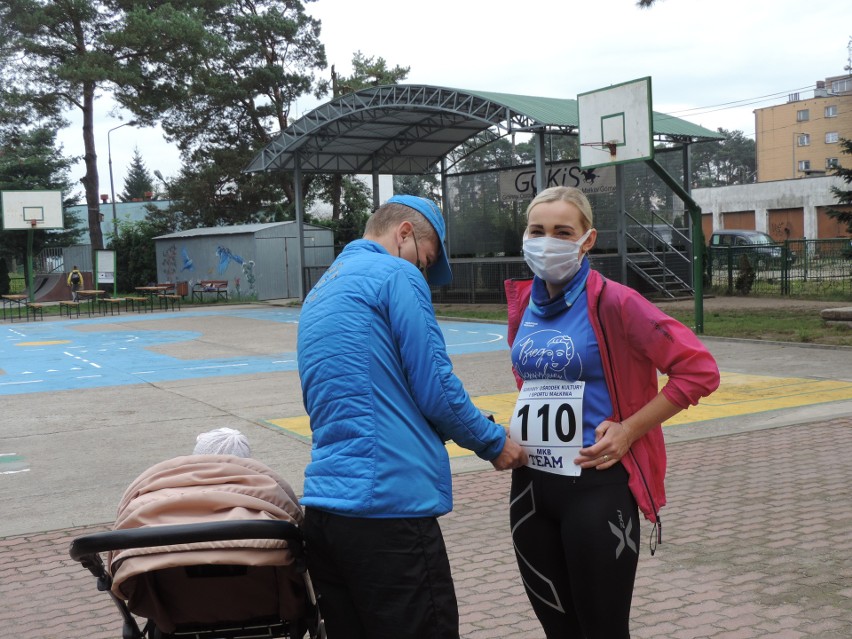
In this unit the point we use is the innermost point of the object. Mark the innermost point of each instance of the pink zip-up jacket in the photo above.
(636, 340)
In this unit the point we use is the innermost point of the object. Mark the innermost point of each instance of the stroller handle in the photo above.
(167, 535)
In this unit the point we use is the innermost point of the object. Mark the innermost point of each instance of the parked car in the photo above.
(760, 249)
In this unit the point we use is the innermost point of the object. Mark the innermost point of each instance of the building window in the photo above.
(804, 139)
(831, 111)
(831, 137)
(841, 86)
(831, 163)
(804, 165)
(803, 115)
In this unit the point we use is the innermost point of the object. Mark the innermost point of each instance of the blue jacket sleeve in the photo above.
(438, 393)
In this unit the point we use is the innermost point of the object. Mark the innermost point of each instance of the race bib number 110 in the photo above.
(548, 422)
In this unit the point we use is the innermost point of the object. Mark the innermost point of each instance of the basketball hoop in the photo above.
(617, 123)
(611, 146)
(33, 223)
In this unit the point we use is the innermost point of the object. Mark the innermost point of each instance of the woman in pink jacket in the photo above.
(586, 352)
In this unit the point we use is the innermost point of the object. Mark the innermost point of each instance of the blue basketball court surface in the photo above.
(127, 349)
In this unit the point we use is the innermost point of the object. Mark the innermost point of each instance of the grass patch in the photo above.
(466, 312)
(798, 326)
(789, 325)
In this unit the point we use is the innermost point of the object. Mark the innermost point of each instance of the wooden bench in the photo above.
(168, 300)
(37, 309)
(111, 303)
(133, 303)
(67, 307)
(837, 316)
(219, 288)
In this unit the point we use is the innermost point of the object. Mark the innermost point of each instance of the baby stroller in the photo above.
(206, 546)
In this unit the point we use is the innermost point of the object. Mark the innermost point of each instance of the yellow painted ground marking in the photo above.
(50, 343)
(299, 426)
(738, 394)
(741, 394)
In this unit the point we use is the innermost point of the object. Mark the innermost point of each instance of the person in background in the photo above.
(75, 282)
(592, 347)
(382, 398)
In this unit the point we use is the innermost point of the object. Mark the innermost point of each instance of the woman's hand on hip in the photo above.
(613, 440)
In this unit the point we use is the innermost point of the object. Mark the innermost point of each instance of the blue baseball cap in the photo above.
(439, 273)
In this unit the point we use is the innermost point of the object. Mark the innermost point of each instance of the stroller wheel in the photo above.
(152, 632)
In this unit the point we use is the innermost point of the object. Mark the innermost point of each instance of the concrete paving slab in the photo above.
(756, 539)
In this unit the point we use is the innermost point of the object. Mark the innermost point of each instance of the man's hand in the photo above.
(513, 455)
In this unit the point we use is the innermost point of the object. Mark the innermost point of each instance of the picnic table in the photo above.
(12, 300)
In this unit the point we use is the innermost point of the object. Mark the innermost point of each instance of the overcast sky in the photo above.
(711, 63)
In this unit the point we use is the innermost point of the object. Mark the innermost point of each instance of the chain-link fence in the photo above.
(486, 209)
(486, 221)
(804, 268)
(17, 283)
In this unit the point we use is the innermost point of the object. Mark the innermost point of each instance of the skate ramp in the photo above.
(53, 287)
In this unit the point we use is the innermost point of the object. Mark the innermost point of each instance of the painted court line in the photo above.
(12, 463)
(738, 394)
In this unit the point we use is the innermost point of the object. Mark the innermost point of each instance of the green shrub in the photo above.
(4, 277)
(745, 278)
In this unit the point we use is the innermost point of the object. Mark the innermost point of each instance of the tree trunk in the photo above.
(90, 180)
(336, 187)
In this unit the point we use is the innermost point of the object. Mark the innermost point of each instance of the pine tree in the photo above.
(138, 181)
(62, 55)
(844, 196)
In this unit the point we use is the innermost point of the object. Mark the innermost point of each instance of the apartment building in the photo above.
(801, 138)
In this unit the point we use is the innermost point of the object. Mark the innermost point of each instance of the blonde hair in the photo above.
(391, 214)
(566, 194)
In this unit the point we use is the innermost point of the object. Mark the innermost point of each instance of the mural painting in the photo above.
(169, 263)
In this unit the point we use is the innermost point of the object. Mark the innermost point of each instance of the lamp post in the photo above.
(111, 185)
(167, 185)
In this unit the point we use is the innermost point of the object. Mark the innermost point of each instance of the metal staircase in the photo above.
(665, 281)
(651, 254)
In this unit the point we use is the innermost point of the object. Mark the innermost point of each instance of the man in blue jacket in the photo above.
(382, 398)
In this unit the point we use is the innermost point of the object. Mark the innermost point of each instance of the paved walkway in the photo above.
(757, 537)
(756, 544)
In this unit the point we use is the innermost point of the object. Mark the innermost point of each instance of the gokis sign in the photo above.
(519, 184)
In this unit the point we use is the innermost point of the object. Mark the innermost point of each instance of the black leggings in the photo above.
(577, 544)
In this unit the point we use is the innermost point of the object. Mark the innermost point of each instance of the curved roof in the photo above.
(407, 129)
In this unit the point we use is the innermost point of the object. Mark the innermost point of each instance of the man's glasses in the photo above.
(419, 264)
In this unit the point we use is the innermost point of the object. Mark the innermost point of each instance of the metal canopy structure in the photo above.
(406, 129)
(409, 129)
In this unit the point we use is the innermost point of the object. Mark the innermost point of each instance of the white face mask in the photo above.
(553, 260)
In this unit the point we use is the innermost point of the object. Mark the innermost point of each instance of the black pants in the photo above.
(378, 578)
(577, 544)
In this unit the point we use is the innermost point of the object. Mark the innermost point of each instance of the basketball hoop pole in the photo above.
(30, 278)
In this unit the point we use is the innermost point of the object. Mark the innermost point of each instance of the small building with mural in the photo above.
(258, 261)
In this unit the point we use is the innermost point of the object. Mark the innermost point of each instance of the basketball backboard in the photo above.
(616, 124)
(24, 210)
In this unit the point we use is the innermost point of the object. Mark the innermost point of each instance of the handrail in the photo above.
(669, 276)
(651, 230)
(51, 255)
